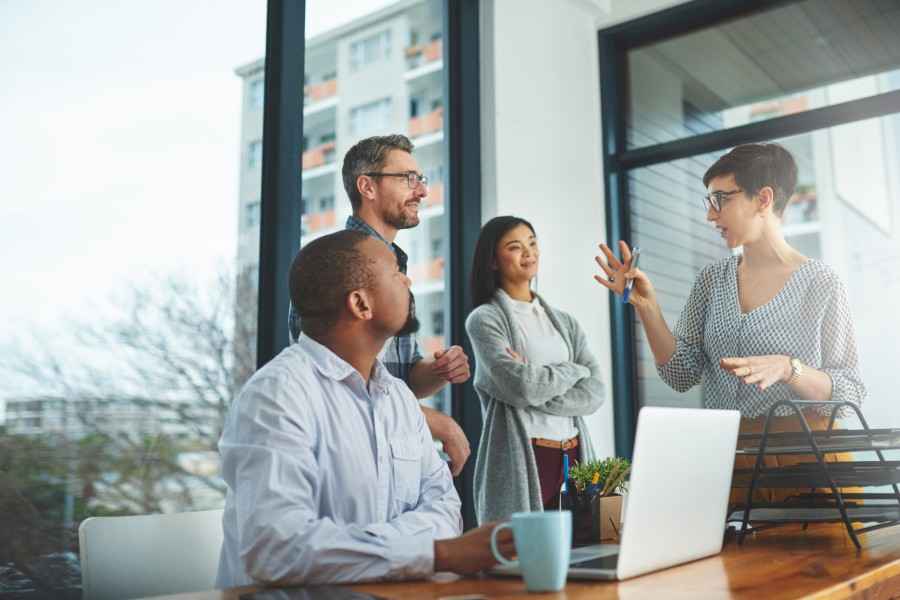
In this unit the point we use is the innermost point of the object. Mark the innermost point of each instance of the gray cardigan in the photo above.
(506, 476)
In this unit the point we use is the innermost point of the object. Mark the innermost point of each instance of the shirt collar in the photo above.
(519, 305)
(334, 367)
(357, 224)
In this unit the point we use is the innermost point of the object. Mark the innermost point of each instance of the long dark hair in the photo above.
(486, 279)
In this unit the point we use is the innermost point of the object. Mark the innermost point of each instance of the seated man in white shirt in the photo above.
(332, 474)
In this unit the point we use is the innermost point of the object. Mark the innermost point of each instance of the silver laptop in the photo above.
(677, 497)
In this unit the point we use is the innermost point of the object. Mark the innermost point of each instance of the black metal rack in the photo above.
(883, 510)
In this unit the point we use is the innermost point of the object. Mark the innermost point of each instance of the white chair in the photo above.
(149, 555)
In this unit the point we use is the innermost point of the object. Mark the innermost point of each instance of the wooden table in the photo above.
(784, 562)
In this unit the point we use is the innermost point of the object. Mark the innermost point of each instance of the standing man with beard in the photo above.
(385, 187)
(332, 476)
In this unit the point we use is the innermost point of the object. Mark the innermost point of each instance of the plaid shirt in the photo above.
(400, 352)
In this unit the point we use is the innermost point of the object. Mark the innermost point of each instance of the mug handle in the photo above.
(500, 558)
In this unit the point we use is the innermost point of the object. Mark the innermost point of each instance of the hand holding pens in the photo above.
(621, 275)
(630, 284)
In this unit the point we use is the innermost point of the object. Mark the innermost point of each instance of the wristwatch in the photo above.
(796, 371)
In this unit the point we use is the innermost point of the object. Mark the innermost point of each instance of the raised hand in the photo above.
(619, 272)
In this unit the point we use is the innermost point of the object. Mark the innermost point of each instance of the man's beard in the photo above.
(400, 220)
(412, 323)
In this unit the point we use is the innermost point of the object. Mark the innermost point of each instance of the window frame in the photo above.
(614, 43)
(282, 189)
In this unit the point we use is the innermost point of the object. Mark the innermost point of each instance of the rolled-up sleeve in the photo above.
(685, 367)
(839, 355)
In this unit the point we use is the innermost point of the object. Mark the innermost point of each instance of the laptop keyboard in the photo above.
(598, 556)
(593, 551)
(604, 562)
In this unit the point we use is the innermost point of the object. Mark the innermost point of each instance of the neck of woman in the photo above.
(771, 250)
(518, 290)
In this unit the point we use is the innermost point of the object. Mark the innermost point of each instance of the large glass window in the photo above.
(777, 63)
(128, 327)
(374, 89)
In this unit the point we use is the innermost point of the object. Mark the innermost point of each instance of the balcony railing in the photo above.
(317, 221)
(430, 123)
(779, 108)
(432, 270)
(318, 156)
(316, 92)
(422, 54)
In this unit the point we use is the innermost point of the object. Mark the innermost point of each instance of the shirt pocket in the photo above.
(406, 454)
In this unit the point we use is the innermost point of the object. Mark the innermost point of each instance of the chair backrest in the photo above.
(149, 555)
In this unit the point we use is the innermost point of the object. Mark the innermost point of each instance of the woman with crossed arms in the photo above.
(768, 325)
(535, 376)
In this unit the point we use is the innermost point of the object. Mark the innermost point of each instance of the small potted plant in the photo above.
(596, 503)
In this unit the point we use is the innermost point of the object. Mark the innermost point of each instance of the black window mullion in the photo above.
(613, 101)
(279, 232)
(778, 127)
(462, 148)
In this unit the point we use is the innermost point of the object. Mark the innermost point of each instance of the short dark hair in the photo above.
(486, 279)
(756, 166)
(366, 156)
(323, 273)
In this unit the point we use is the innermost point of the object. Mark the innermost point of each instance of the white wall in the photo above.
(541, 149)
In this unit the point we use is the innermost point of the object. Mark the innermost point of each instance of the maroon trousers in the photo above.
(549, 466)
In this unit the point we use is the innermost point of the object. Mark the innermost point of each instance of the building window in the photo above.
(437, 322)
(251, 214)
(371, 117)
(369, 50)
(415, 105)
(254, 154)
(257, 93)
(326, 203)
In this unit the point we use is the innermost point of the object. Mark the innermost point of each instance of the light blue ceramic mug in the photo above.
(543, 543)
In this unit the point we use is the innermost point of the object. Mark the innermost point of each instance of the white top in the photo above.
(330, 481)
(544, 345)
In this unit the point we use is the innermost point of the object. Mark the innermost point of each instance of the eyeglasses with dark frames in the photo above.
(413, 179)
(716, 200)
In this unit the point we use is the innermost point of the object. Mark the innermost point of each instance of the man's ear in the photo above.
(365, 185)
(359, 303)
(766, 197)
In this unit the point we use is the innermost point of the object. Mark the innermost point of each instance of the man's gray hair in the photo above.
(368, 156)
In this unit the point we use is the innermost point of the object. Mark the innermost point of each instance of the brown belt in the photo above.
(563, 445)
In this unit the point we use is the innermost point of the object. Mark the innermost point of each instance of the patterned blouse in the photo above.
(808, 319)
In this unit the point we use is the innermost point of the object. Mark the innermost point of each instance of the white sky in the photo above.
(119, 147)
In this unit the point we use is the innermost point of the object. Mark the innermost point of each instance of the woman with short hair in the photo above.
(765, 325)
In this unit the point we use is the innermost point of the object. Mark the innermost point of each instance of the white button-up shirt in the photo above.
(330, 481)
